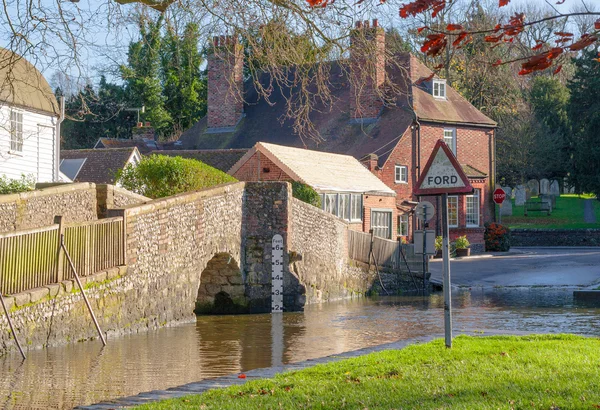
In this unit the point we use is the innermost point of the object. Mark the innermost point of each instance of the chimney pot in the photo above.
(366, 23)
(375, 23)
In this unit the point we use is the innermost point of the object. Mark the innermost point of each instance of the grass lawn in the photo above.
(568, 214)
(498, 372)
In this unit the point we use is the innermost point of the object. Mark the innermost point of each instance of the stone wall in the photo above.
(111, 196)
(555, 237)
(34, 209)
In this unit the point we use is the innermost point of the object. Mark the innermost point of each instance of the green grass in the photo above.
(568, 214)
(500, 372)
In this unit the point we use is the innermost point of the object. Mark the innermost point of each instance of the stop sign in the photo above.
(499, 196)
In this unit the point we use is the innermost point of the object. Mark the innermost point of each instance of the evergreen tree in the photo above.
(584, 111)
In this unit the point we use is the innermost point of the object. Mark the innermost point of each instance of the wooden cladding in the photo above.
(385, 252)
(31, 259)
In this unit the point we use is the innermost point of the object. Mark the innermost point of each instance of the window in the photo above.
(439, 88)
(356, 207)
(16, 131)
(403, 225)
(450, 139)
(453, 211)
(344, 206)
(381, 223)
(330, 204)
(473, 209)
(401, 174)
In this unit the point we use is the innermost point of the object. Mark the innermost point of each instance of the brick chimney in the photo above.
(225, 82)
(367, 70)
(143, 131)
(371, 162)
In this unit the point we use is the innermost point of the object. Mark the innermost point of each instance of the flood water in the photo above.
(85, 373)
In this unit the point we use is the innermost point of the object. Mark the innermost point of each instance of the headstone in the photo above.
(520, 195)
(506, 208)
(534, 187)
(528, 194)
(554, 188)
(551, 199)
(508, 191)
(544, 186)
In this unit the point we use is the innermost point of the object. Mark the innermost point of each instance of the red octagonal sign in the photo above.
(499, 196)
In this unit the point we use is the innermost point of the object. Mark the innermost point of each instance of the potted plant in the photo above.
(461, 245)
(438, 247)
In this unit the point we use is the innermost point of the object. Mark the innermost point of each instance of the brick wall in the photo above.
(260, 168)
(555, 237)
(225, 83)
(371, 202)
(34, 209)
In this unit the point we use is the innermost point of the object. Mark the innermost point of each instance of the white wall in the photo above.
(39, 150)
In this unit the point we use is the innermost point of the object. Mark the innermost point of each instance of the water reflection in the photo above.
(217, 345)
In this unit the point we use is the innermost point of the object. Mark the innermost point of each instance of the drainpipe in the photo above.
(61, 118)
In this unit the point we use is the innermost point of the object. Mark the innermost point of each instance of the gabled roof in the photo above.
(222, 159)
(472, 172)
(265, 121)
(23, 85)
(321, 170)
(99, 165)
(143, 145)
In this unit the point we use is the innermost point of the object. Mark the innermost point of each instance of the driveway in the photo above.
(576, 267)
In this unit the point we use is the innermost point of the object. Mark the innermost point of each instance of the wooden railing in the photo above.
(31, 258)
(385, 252)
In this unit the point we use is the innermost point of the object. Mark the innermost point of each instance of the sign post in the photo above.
(277, 274)
(425, 239)
(499, 197)
(443, 175)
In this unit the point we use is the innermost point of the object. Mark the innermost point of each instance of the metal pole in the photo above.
(446, 256)
(87, 302)
(500, 214)
(12, 329)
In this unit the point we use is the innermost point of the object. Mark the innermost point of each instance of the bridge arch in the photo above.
(222, 288)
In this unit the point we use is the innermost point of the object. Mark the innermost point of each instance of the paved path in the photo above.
(573, 267)
(588, 211)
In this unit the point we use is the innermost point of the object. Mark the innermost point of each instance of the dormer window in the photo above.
(439, 89)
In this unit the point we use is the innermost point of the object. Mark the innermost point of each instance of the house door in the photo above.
(46, 153)
(381, 223)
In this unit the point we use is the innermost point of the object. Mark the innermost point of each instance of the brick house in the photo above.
(393, 138)
(347, 189)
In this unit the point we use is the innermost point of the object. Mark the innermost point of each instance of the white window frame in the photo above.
(388, 228)
(401, 174)
(470, 210)
(451, 224)
(356, 199)
(16, 131)
(452, 139)
(334, 208)
(438, 89)
(344, 208)
(403, 224)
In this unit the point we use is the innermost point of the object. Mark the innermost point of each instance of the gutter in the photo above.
(468, 124)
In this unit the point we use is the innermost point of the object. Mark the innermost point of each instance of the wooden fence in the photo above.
(385, 252)
(31, 258)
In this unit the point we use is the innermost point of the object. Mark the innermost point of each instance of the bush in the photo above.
(306, 194)
(497, 237)
(14, 186)
(158, 176)
(439, 242)
(462, 242)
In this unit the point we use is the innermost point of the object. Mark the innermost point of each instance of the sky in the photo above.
(104, 44)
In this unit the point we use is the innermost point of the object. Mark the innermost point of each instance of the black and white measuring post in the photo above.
(443, 175)
(424, 239)
(277, 274)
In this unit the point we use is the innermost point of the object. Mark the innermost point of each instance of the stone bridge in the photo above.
(205, 251)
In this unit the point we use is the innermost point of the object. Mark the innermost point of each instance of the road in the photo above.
(576, 267)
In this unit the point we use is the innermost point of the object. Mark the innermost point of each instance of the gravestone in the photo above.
(534, 187)
(544, 186)
(554, 188)
(520, 195)
(508, 190)
(551, 199)
(506, 208)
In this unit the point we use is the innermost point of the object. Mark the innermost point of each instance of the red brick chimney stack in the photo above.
(225, 83)
(367, 69)
(371, 162)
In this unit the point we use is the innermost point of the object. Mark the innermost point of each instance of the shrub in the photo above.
(306, 194)
(14, 186)
(497, 237)
(439, 242)
(462, 242)
(158, 176)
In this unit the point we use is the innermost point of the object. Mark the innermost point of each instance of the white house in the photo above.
(29, 121)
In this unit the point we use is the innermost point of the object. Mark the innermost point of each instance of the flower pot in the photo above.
(463, 252)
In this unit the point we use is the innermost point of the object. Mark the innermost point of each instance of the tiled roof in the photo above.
(321, 170)
(100, 164)
(266, 122)
(144, 146)
(222, 159)
(472, 172)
